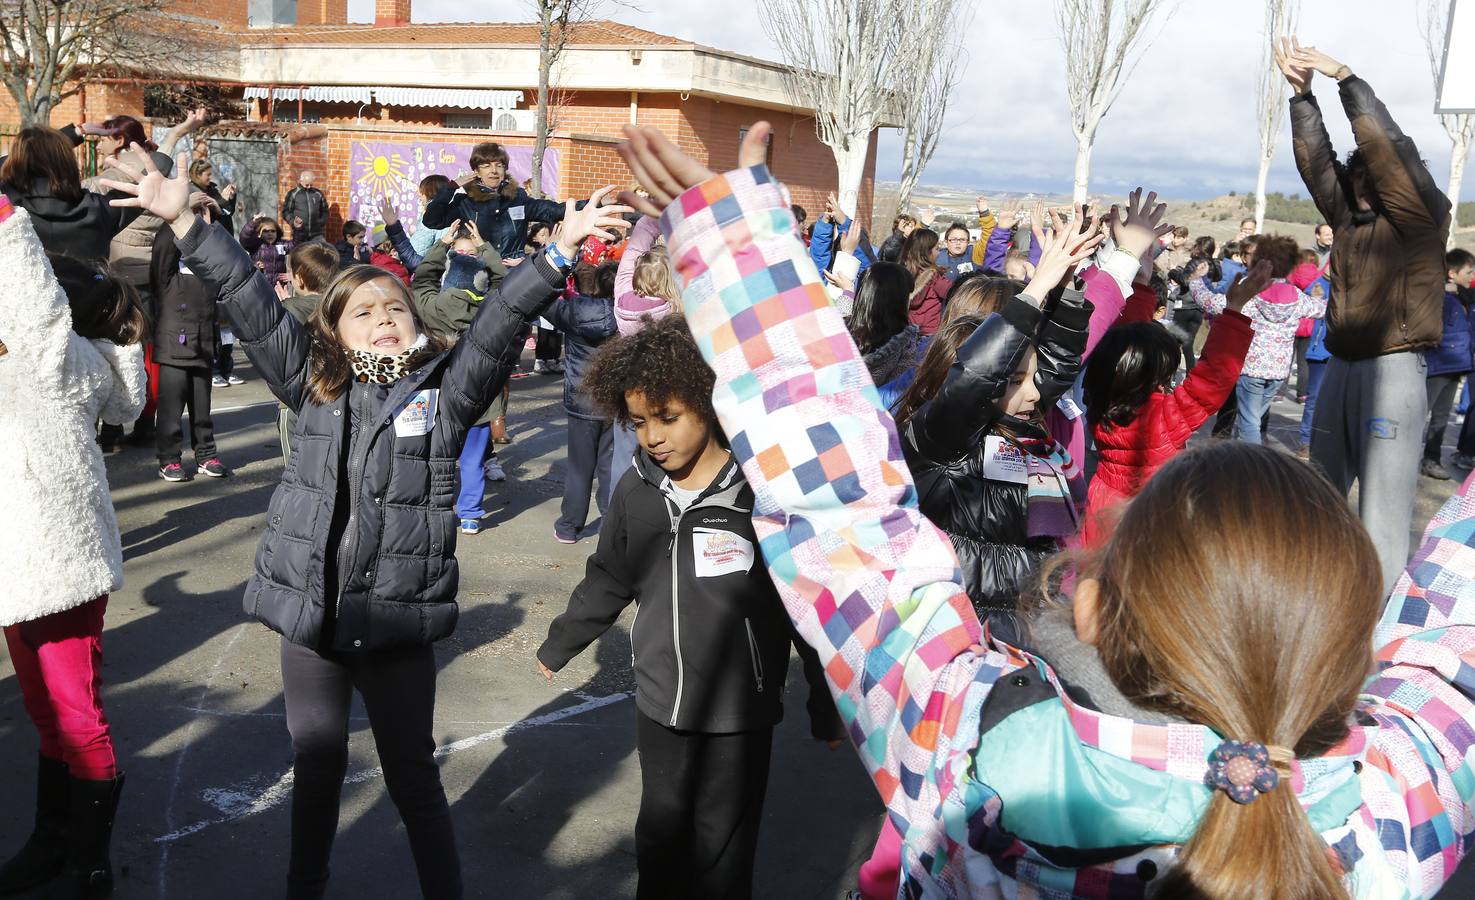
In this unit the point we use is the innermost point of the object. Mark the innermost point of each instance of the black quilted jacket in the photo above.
(359, 548)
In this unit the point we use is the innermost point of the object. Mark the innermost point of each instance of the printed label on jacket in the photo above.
(1068, 406)
(227, 336)
(720, 552)
(418, 416)
(1002, 461)
(516, 212)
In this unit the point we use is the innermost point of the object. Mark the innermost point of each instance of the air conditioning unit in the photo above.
(514, 120)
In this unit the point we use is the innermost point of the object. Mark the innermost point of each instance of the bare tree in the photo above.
(850, 61)
(942, 61)
(1270, 108)
(1433, 20)
(1100, 39)
(48, 48)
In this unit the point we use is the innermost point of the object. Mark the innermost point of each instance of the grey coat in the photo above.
(359, 547)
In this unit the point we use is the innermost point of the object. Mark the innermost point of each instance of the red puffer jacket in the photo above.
(925, 310)
(1129, 455)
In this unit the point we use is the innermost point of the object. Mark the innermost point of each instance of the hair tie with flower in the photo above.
(1241, 769)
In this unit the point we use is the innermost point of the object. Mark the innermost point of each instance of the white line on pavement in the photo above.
(238, 803)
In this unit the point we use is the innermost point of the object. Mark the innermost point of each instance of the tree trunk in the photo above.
(1084, 145)
(1459, 153)
(540, 124)
(1260, 180)
(908, 172)
(851, 164)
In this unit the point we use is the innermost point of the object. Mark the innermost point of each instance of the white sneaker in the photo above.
(235, 379)
(494, 470)
(537, 367)
(218, 381)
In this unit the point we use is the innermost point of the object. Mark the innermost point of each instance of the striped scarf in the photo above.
(1056, 488)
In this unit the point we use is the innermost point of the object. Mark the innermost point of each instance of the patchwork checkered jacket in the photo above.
(1054, 799)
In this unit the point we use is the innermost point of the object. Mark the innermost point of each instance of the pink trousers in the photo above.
(880, 876)
(58, 661)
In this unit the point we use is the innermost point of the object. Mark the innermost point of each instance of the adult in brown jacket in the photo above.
(1387, 269)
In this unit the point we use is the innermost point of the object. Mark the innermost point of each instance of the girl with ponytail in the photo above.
(1217, 704)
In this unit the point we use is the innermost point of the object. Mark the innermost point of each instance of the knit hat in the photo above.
(466, 273)
(379, 235)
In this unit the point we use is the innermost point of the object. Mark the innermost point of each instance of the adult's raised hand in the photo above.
(1298, 76)
(667, 172)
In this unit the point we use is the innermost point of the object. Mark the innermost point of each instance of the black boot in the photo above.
(88, 874)
(41, 859)
(110, 438)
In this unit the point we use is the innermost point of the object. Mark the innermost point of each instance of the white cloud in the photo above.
(1183, 123)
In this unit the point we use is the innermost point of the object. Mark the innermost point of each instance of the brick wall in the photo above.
(711, 131)
(102, 101)
(230, 12)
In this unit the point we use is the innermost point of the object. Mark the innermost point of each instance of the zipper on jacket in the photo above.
(753, 650)
(355, 472)
(675, 610)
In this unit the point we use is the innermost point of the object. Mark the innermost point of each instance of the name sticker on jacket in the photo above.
(418, 416)
(1002, 461)
(516, 212)
(227, 336)
(720, 552)
(1068, 406)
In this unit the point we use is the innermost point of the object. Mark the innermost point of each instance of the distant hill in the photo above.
(1219, 217)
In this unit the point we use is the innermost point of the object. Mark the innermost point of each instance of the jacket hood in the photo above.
(1134, 782)
(729, 479)
(898, 354)
(39, 199)
(1277, 303)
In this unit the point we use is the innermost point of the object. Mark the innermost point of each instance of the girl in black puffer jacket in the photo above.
(356, 568)
(987, 472)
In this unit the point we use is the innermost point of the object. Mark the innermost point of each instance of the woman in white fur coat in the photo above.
(69, 357)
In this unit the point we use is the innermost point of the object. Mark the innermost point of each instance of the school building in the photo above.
(371, 108)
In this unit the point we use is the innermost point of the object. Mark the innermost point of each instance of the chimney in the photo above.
(388, 13)
(322, 12)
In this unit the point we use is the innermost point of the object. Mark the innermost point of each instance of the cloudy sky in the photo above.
(1184, 123)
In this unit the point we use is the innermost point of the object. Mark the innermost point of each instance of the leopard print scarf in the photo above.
(376, 368)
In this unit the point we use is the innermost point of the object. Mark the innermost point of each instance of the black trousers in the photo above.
(701, 802)
(225, 360)
(549, 344)
(1303, 368)
(398, 687)
(181, 388)
(590, 446)
(1188, 321)
(1442, 392)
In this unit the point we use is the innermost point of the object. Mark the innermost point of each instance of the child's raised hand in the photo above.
(593, 220)
(667, 172)
(387, 212)
(167, 198)
(475, 232)
(284, 291)
(1247, 284)
(1142, 224)
(448, 237)
(850, 240)
(1061, 250)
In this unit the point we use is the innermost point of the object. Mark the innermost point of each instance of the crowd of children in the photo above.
(1075, 656)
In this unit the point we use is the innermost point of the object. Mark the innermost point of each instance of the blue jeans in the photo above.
(625, 448)
(1463, 406)
(473, 477)
(1313, 387)
(1254, 396)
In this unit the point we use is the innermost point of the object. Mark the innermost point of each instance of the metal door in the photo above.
(251, 165)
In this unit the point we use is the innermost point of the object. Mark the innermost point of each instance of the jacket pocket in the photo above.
(756, 656)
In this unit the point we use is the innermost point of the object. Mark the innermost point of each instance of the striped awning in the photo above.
(459, 98)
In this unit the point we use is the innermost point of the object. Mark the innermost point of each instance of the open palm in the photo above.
(166, 198)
